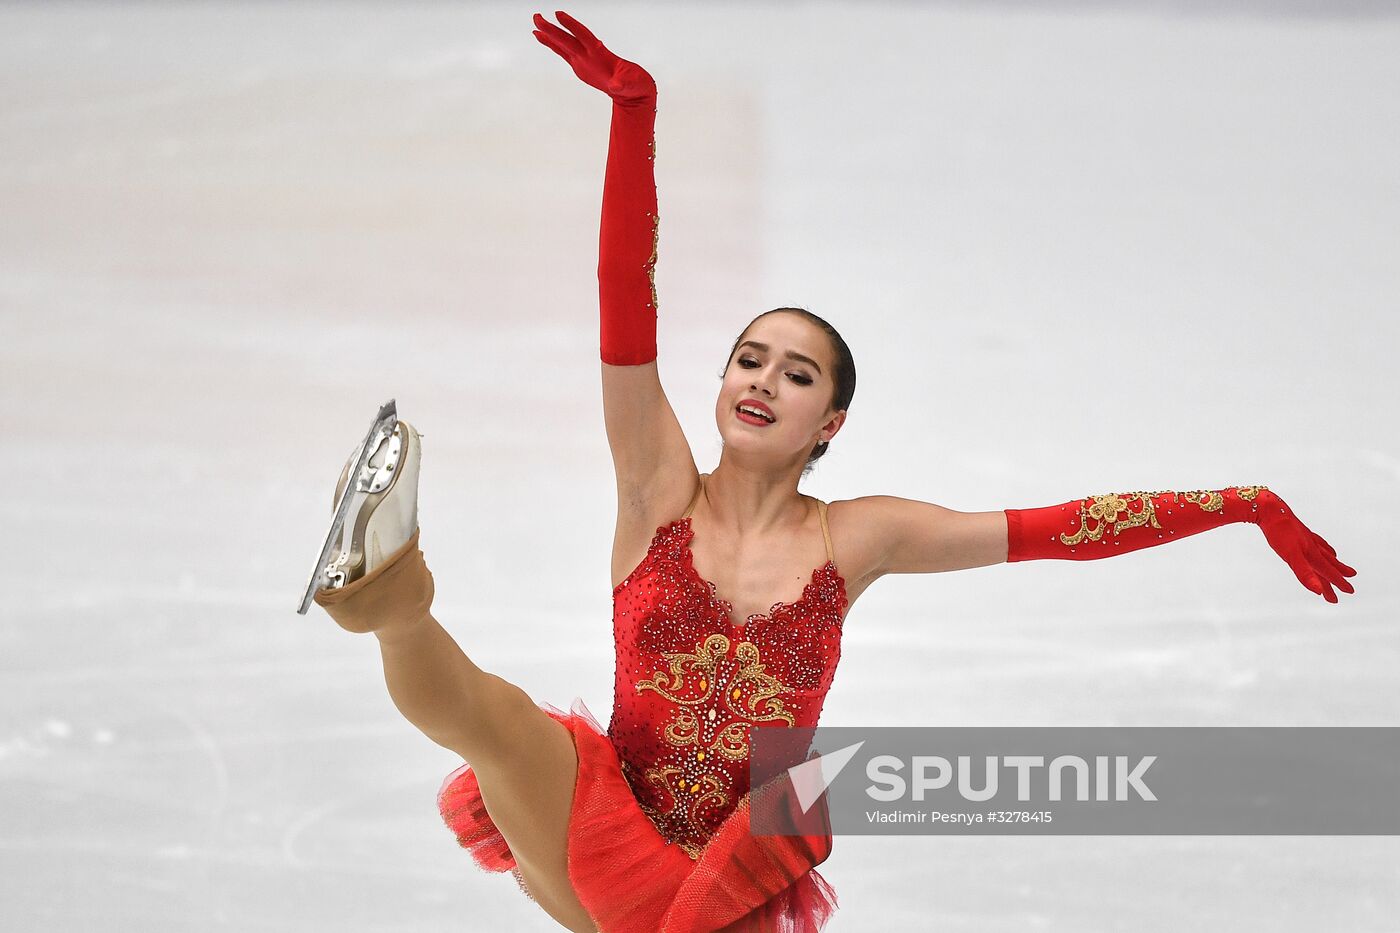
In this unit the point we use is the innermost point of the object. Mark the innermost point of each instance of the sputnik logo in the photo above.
(811, 778)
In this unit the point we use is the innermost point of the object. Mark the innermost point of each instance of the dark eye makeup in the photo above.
(796, 377)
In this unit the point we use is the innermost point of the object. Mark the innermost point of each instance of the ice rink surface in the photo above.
(1074, 248)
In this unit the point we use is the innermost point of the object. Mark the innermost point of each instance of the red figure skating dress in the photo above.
(659, 836)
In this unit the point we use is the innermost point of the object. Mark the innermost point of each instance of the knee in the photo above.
(499, 720)
(504, 697)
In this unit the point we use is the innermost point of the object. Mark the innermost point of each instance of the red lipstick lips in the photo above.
(753, 419)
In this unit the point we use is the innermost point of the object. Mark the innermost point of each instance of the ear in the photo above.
(833, 426)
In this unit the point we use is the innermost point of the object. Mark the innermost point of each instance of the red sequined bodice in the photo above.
(690, 683)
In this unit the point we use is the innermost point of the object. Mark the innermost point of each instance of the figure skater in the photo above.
(644, 826)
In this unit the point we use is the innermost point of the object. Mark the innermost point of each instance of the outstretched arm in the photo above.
(643, 432)
(628, 234)
(925, 538)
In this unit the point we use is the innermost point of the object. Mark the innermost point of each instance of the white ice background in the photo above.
(1075, 248)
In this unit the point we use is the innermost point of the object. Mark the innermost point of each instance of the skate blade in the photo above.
(384, 423)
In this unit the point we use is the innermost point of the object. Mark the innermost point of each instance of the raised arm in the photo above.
(925, 538)
(643, 432)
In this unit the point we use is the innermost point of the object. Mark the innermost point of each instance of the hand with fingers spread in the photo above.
(625, 82)
(1312, 560)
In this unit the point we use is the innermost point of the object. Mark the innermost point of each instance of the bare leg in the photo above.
(437, 687)
(525, 762)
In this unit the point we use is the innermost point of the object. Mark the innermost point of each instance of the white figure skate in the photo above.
(376, 515)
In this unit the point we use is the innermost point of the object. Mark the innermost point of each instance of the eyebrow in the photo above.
(763, 348)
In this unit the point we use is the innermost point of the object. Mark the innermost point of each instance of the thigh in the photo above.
(527, 775)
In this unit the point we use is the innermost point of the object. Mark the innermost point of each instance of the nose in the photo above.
(760, 382)
(760, 387)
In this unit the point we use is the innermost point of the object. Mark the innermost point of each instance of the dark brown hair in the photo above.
(843, 372)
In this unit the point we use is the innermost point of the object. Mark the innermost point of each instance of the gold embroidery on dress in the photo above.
(1106, 509)
(760, 703)
(766, 688)
(705, 658)
(742, 689)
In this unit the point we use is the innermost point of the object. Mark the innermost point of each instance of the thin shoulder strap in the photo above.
(695, 498)
(826, 532)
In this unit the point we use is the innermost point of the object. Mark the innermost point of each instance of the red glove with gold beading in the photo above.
(628, 235)
(1115, 523)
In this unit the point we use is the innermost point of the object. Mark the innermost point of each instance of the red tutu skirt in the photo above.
(626, 875)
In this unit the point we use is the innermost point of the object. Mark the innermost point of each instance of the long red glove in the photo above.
(629, 232)
(1115, 523)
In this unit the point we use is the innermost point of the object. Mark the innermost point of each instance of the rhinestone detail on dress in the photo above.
(690, 682)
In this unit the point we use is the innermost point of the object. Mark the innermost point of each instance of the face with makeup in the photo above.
(782, 367)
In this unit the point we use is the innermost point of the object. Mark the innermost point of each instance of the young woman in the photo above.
(644, 826)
